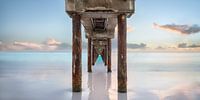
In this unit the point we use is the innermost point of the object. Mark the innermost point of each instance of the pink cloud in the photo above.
(28, 45)
(49, 45)
(182, 29)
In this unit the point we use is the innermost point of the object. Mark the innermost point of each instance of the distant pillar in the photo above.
(93, 55)
(76, 53)
(109, 55)
(122, 65)
(104, 56)
(89, 55)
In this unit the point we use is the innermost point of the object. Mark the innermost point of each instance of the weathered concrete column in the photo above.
(104, 56)
(109, 55)
(76, 53)
(122, 66)
(93, 55)
(89, 55)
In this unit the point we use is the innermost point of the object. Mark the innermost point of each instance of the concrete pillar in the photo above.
(109, 54)
(89, 55)
(122, 65)
(104, 56)
(93, 55)
(76, 53)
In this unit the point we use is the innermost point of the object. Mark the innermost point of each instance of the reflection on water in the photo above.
(102, 86)
(151, 76)
(122, 96)
(76, 96)
(184, 91)
(99, 84)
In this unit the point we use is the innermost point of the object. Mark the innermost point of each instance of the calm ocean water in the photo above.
(151, 76)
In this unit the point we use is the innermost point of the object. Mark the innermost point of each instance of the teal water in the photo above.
(151, 76)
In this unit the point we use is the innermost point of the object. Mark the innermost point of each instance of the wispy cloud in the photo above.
(28, 45)
(49, 45)
(54, 45)
(183, 29)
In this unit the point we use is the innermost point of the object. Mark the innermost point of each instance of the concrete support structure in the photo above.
(76, 53)
(122, 65)
(109, 50)
(104, 56)
(99, 19)
(93, 55)
(89, 55)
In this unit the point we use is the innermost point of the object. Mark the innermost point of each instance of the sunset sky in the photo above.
(157, 25)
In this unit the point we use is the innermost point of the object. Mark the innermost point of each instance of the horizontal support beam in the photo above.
(99, 15)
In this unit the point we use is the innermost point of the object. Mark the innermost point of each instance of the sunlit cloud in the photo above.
(182, 29)
(52, 41)
(51, 44)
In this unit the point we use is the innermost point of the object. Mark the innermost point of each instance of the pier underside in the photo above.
(99, 19)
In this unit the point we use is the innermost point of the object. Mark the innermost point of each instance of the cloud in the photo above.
(64, 46)
(52, 41)
(185, 45)
(49, 45)
(52, 44)
(129, 29)
(183, 29)
(136, 46)
(13, 47)
(182, 45)
(160, 48)
(28, 45)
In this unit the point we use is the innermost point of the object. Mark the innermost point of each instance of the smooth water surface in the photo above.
(151, 76)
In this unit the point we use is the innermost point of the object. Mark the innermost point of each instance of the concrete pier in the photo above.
(99, 19)
(76, 53)
(122, 64)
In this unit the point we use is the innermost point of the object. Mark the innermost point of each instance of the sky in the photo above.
(157, 25)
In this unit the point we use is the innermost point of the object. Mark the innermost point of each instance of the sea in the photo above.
(150, 76)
